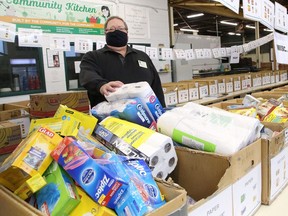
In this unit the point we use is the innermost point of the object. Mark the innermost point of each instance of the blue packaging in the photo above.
(102, 185)
(143, 194)
(133, 202)
(131, 110)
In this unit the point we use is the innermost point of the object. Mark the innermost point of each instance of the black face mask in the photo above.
(116, 38)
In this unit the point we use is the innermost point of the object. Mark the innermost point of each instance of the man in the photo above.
(106, 69)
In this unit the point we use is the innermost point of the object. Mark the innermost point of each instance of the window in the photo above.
(21, 69)
(72, 67)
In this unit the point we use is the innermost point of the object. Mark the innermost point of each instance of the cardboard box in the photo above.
(13, 205)
(203, 87)
(229, 84)
(207, 87)
(182, 92)
(45, 105)
(209, 178)
(170, 93)
(274, 158)
(22, 104)
(10, 136)
(237, 84)
(174, 194)
(193, 89)
(17, 115)
(274, 163)
(283, 75)
(256, 79)
(266, 77)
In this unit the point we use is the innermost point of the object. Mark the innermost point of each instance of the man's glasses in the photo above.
(113, 28)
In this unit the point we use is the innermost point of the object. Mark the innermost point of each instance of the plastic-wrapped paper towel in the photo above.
(131, 110)
(204, 128)
(140, 90)
(158, 147)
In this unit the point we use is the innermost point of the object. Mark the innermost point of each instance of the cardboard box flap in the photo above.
(24, 110)
(245, 159)
(175, 196)
(275, 126)
(13, 205)
(205, 169)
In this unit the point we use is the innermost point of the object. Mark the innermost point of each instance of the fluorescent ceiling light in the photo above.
(268, 30)
(188, 30)
(195, 15)
(228, 23)
(250, 26)
(176, 24)
(233, 33)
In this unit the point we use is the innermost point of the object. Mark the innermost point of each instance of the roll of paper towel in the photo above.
(131, 110)
(158, 147)
(140, 90)
(204, 128)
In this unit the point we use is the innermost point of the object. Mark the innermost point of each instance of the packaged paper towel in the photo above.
(131, 110)
(140, 90)
(158, 147)
(204, 128)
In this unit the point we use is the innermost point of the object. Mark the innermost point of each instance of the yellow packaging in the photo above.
(88, 207)
(31, 186)
(278, 115)
(88, 122)
(126, 131)
(54, 123)
(251, 112)
(70, 127)
(31, 157)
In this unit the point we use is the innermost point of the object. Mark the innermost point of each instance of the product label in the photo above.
(192, 141)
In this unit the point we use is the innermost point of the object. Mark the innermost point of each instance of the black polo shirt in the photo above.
(104, 65)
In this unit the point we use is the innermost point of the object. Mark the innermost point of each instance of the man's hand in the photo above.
(110, 87)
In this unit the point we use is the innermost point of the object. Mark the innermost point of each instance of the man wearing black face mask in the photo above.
(104, 70)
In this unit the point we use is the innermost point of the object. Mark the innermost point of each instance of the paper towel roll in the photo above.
(158, 147)
(208, 129)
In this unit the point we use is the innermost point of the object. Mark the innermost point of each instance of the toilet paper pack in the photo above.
(117, 145)
(140, 90)
(158, 147)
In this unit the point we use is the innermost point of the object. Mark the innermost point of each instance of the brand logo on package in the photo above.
(46, 132)
(152, 99)
(88, 176)
(53, 101)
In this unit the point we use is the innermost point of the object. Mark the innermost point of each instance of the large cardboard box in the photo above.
(274, 157)
(274, 163)
(174, 194)
(10, 136)
(45, 105)
(16, 114)
(213, 180)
